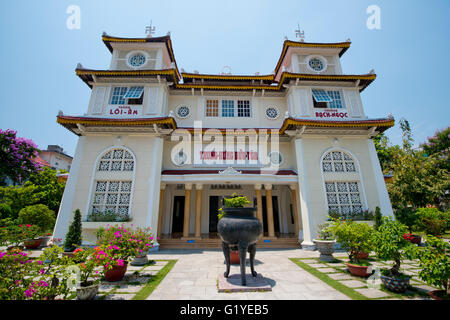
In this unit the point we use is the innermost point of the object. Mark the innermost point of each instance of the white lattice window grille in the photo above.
(344, 197)
(337, 161)
(116, 160)
(112, 197)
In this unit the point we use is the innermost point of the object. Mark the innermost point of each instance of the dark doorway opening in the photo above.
(213, 212)
(276, 221)
(178, 214)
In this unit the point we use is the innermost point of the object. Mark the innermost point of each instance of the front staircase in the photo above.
(216, 243)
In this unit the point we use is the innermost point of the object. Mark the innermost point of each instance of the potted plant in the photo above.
(144, 242)
(73, 236)
(355, 238)
(41, 216)
(325, 242)
(389, 244)
(30, 235)
(89, 281)
(434, 262)
(116, 245)
(233, 202)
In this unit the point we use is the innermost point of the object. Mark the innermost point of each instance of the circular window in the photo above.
(276, 158)
(137, 60)
(179, 158)
(316, 64)
(272, 113)
(183, 111)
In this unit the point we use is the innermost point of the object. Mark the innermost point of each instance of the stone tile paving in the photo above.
(134, 281)
(361, 286)
(196, 273)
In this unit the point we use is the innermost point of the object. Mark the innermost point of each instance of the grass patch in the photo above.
(352, 294)
(154, 281)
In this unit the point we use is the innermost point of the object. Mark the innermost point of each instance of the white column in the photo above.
(304, 197)
(65, 209)
(383, 196)
(154, 185)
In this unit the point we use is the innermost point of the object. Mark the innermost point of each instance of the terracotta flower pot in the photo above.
(359, 271)
(88, 292)
(116, 273)
(234, 257)
(32, 243)
(395, 284)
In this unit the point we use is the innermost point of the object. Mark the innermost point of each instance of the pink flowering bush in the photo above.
(117, 244)
(16, 157)
(23, 277)
(88, 263)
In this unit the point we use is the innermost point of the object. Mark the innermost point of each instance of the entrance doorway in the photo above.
(213, 212)
(276, 221)
(178, 214)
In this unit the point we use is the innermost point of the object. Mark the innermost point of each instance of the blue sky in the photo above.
(39, 53)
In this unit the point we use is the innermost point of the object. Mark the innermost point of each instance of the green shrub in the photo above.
(377, 218)
(407, 216)
(73, 236)
(390, 244)
(39, 215)
(434, 262)
(353, 237)
(432, 221)
(5, 211)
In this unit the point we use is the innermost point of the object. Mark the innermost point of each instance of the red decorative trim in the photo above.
(216, 171)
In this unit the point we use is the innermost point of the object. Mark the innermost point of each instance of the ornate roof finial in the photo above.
(300, 33)
(149, 30)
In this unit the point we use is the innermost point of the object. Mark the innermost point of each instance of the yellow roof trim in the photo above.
(289, 122)
(116, 122)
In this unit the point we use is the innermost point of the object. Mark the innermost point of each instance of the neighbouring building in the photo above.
(56, 157)
(130, 159)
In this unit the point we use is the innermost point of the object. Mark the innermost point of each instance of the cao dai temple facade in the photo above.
(160, 148)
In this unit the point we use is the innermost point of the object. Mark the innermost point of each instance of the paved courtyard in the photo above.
(195, 275)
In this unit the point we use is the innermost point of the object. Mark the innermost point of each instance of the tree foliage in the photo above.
(73, 236)
(16, 157)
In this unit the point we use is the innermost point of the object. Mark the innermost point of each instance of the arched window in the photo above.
(343, 189)
(112, 186)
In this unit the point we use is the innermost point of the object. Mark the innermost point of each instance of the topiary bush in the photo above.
(39, 215)
(73, 236)
(377, 218)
